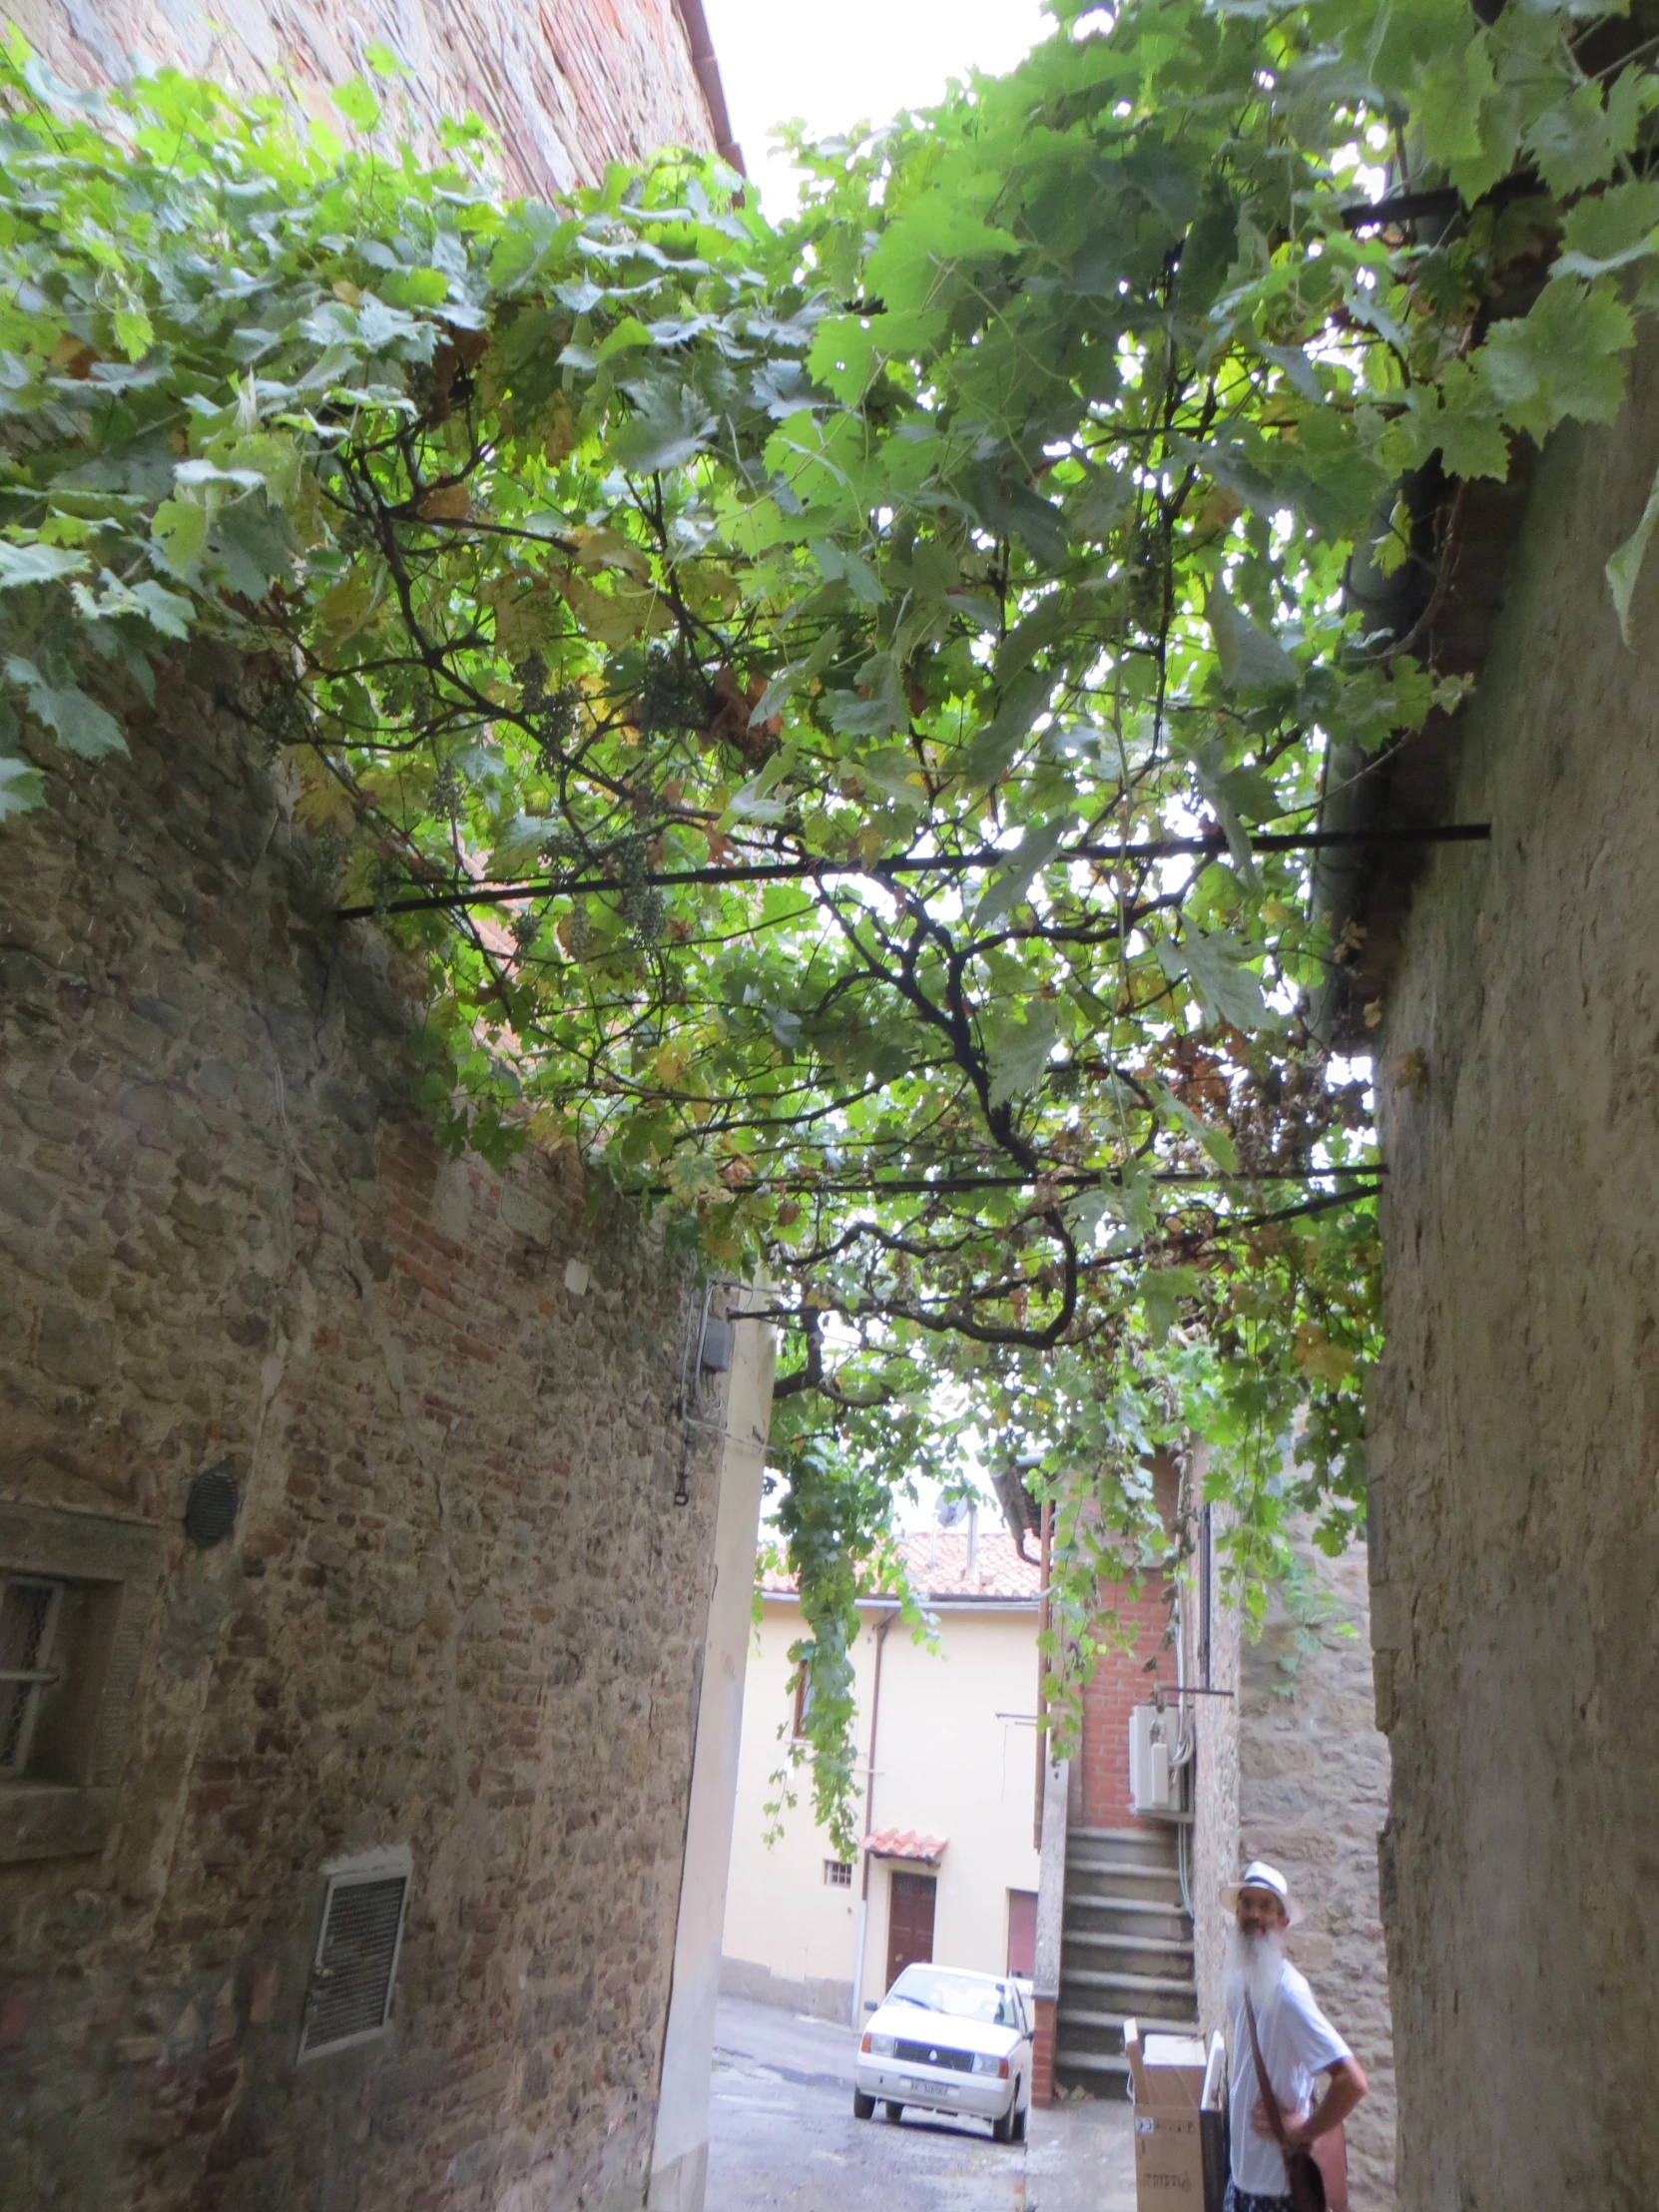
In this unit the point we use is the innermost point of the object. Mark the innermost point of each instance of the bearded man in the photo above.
(1299, 2045)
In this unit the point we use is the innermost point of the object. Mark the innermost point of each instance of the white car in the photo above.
(949, 2041)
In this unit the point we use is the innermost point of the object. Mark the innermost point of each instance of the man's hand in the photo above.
(1345, 2085)
(1295, 2124)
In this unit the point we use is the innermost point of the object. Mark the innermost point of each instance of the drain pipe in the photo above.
(1045, 1615)
(882, 1627)
(1186, 1746)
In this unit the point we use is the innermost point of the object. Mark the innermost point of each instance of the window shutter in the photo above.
(356, 1952)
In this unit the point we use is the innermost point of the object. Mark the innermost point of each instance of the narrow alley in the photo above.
(782, 2137)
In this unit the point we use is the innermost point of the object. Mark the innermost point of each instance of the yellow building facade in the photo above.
(945, 1732)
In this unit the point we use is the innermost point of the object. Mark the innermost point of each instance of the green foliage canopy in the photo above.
(836, 710)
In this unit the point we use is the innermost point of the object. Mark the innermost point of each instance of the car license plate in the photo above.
(916, 2085)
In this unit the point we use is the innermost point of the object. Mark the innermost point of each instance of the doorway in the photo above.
(1022, 1933)
(910, 1922)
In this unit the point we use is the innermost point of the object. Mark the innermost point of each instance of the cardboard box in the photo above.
(1178, 2086)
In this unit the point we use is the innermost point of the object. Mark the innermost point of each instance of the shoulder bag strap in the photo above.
(1276, 2118)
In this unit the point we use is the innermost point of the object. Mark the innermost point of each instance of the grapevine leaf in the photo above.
(670, 427)
(37, 564)
(1019, 1053)
(78, 723)
(1562, 359)
(22, 788)
(1248, 658)
(1624, 567)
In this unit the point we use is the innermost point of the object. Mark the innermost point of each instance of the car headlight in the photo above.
(879, 2047)
(984, 2063)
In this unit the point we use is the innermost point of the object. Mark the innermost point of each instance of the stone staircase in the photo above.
(1126, 1952)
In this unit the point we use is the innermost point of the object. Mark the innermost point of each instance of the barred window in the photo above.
(837, 1874)
(29, 1610)
(76, 1591)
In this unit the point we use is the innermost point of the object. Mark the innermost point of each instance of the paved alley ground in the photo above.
(782, 2137)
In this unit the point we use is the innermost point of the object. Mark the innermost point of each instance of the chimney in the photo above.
(972, 1543)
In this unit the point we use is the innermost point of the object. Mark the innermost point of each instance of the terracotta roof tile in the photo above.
(906, 1842)
(936, 1563)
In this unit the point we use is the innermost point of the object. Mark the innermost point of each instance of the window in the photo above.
(29, 1609)
(76, 1593)
(838, 1873)
(1022, 1933)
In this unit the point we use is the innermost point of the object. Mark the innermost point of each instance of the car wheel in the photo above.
(894, 2112)
(1003, 2129)
(864, 2108)
(1020, 2117)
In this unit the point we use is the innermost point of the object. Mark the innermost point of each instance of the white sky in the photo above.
(835, 63)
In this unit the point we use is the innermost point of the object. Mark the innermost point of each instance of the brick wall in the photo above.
(460, 1609)
(566, 86)
(1121, 1681)
(1042, 2052)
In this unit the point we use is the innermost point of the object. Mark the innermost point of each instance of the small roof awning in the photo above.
(906, 1842)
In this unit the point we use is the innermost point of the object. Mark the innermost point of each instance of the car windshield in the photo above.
(963, 1997)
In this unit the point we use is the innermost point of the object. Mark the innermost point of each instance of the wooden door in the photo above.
(1022, 1933)
(910, 1922)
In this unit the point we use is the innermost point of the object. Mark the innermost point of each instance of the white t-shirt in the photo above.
(1298, 2045)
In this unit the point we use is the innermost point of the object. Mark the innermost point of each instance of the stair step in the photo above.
(1143, 1907)
(1167, 1947)
(1118, 1869)
(1141, 1836)
(1100, 2023)
(1101, 2034)
(1162, 1891)
(1077, 2016)
(1151, 1969)
(1149, 1846)
(1088, 1923)
(1108, 2074)
(1150, 1985)
(1106, 1997)
(1086, 1901)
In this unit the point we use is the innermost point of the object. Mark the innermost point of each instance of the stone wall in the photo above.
(1516, 1430)
(566, 86)
(1313, 1797)
(459, 1610)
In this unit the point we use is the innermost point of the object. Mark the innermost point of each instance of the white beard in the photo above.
(1255, 1966)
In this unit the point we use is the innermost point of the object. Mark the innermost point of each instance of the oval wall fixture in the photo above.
(211, 1507)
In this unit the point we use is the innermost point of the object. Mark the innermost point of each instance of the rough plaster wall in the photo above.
(1516, 1432)
(564, 85)
(459, 1610)
(1313, 1797)
(1215, 1788)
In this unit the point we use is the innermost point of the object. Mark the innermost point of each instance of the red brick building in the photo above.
(1112, 1914)
(566, 86)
